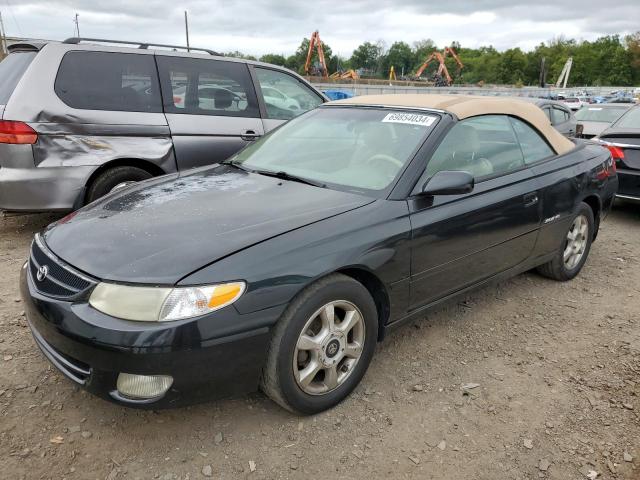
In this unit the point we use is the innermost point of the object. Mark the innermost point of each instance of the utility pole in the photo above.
(77, 22)
(186, 29)
(3, 38)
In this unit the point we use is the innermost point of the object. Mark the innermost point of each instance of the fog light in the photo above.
(143, 386)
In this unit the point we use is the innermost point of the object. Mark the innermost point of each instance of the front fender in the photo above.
(373, 238)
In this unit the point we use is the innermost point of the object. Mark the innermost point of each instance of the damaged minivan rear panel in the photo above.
(92, 118)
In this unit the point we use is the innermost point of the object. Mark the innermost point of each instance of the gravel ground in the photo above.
(551, 370)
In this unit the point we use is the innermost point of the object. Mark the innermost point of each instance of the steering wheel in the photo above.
(385, 158)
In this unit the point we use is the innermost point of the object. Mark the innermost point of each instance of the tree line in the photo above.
(608, 60)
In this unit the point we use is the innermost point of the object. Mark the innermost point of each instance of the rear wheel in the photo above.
(574, 250)
(321, 346)
(114, 179)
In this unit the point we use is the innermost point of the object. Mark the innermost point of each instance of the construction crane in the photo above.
(442, 76)
(316, 43)
(564, 75)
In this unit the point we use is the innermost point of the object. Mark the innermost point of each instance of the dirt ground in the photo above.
(552, 376)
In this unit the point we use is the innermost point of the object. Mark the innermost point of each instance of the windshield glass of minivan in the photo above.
(11, 70)
(356, 148)
(631, 119)
(600, 114)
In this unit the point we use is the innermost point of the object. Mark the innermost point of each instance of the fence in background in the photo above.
(363, 89)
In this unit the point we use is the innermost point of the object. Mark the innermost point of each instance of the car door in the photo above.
(460, 240)
(211, 108)
(283, 96)
(563, 121)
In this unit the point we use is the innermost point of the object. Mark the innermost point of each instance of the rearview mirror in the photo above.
(448, 183)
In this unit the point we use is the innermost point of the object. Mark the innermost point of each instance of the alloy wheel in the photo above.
(329, 347)
(576, 242)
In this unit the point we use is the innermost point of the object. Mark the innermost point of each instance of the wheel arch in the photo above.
(376, 289)
(145, 165)
(595, 203)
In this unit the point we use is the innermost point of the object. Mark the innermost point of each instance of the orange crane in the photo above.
(442, 75)
(316, 43)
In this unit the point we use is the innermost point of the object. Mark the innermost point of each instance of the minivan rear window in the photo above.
(121, 82)
(11, 70)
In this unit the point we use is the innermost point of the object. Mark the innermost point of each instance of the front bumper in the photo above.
(208, 357)
(628, 184)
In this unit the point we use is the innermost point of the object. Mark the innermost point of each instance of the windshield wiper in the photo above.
(287, 176)
(234, 164)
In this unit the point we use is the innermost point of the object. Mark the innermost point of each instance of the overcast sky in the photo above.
(278, 26)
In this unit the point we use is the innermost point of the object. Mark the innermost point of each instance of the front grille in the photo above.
(60, 281)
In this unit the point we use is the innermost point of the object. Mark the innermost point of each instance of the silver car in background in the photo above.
(597, 117)
(83, 117)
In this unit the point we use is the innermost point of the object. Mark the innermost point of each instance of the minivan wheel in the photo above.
(573, 252)
(321, 346)
(114, 179)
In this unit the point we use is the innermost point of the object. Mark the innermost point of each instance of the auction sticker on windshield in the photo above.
(410, 119)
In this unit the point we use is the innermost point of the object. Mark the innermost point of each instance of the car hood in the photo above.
(594, 128)
(159, 231)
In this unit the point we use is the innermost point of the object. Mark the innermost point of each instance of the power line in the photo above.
(14, 17)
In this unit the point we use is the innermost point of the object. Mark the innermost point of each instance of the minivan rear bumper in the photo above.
(42, 189)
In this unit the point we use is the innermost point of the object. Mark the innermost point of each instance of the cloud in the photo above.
(278, 26)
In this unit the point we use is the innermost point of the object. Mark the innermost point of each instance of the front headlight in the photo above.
(157, 304)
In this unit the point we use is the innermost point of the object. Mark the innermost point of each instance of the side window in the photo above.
(559, 116)
(547, 112)
(534, 147)
(285, 96)
(483, 146)
(207, 87)
(122, 82)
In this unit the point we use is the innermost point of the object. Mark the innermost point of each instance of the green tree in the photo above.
(238, 54)
(274, 59)
(400, 56)
(367, 55)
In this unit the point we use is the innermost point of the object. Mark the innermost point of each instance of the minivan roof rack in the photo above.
(143, 45)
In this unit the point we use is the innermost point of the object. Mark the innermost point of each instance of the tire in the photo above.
(560, 269)
(279, 378)
(109, 179)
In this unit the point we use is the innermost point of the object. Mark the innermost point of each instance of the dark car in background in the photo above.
(283, 266)
(622, 138)
(560, 116)
(597, 118)
(81, 118)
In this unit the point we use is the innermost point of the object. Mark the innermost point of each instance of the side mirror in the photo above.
(579, 130)
(448, 183)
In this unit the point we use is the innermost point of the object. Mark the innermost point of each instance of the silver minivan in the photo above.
(83, 117)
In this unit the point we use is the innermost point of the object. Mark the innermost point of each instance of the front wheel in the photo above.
(573, 252)
(321, 346)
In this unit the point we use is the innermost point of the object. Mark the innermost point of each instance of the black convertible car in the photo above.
(283, 267)
(622, 138)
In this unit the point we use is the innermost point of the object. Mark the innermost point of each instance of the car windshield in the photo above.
(631, 119)
(353, 148)
(600, 114)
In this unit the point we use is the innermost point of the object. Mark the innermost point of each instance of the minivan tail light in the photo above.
(17, 133)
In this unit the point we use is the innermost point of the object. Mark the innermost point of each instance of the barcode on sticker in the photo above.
(410, 118)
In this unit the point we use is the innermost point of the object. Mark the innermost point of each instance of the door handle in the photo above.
(249, 135)
(530, 199)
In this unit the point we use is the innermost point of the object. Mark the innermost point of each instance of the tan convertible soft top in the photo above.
(464, 106)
